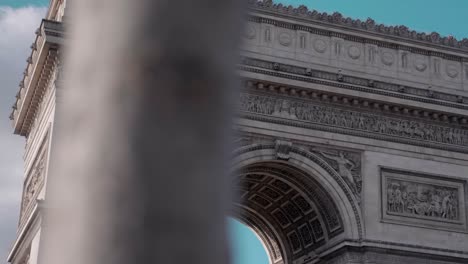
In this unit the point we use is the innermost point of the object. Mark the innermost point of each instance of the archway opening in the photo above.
(287, 208)
(246, 246)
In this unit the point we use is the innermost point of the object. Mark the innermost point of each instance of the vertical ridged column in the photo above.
(140, 152)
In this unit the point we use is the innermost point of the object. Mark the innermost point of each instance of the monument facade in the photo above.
(351, 138)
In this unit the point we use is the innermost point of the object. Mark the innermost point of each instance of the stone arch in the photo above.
(297, 203)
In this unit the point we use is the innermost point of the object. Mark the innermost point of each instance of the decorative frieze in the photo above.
(421, 199)
(371, 124)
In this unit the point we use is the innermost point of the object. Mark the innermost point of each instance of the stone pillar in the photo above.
(140, 154)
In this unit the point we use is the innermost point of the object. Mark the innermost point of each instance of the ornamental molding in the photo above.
(37, 75)
(314, 114)
(369, 27)
(352, 83)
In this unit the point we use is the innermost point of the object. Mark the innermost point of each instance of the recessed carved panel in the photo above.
(302, 204)
(281, 218)
(260, 201)
(292, 211)
(306, 235)
(317, 229)
(422, 199)
(294, 241)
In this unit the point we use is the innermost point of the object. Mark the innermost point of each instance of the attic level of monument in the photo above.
(349, 25)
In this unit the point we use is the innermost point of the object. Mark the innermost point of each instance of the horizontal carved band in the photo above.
(366, 124)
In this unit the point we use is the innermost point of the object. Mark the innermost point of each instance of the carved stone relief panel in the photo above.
(373, 124)
(423, 200)
(346, 163)
(34, 182)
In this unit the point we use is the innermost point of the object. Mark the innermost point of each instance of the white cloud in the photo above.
(17, 28)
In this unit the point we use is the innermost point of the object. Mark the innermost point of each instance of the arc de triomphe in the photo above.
(352, 138)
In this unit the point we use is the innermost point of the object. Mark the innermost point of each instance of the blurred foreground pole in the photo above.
(141, 139)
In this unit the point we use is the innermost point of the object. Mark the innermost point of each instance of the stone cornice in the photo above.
(369, 26)
(353, 83)
(41, 62)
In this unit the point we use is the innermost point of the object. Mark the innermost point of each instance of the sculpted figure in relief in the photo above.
(334, 116)
(347, 165)
(343, 164)
(422, 199)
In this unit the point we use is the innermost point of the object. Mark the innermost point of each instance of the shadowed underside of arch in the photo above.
(289, 210)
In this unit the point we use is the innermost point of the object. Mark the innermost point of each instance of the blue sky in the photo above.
(444, 16)
(246, 248)
(20, 3)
